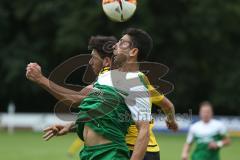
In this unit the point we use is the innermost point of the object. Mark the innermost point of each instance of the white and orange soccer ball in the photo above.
(119, 10)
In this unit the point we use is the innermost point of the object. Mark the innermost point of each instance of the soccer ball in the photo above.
(119, 10)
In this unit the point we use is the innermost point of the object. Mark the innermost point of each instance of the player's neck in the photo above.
(129, 67)
(206, 121)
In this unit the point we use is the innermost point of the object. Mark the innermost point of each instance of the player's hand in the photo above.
(212, 145)
(172, 125)
(55, 130)
(184, 156)
(33, 72)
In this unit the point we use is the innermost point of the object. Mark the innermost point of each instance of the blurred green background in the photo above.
(197, 39)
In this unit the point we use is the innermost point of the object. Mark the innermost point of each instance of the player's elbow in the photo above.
(77, 99)
(170, 105)
(166, 104)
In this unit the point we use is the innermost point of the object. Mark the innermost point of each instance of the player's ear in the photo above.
(107, 62)
(134, 52)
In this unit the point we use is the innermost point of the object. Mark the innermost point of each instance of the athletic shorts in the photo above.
(150, 155)
(108, 151)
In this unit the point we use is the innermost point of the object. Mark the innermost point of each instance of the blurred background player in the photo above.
(210, 136)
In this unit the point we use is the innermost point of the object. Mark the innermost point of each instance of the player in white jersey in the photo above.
(210, 136)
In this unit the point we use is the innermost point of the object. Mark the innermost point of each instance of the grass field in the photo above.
(30, 146)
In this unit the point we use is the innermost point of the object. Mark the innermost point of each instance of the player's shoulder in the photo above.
(216, 123)
(196, 125)
(129, 75)
(136, 74)
(144, 79)
(143, 75)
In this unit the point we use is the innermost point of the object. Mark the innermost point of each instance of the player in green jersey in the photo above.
(210, 136)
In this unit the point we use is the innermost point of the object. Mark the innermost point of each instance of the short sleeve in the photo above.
(156, 97)
(190, 136)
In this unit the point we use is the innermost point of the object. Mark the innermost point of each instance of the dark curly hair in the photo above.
(103, 44)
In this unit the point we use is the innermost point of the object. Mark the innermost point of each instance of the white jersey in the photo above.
(206, 132)
(134, 92)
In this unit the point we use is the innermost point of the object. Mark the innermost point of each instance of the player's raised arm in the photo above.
(70, 97)
(164, 103)
(168, 109)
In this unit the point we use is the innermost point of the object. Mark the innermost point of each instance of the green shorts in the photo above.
(110, 151)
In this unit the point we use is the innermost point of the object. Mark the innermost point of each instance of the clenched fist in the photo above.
(172, 125)
(33, 72)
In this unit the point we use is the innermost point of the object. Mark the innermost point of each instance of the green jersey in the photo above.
(113, 105)
(202, 134)
(105, 112)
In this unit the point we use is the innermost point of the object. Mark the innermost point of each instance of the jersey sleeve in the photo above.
(190, 136)
(156, 97)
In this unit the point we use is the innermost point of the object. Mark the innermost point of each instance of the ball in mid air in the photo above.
(119, 10)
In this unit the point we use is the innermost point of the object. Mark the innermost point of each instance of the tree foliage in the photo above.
(198, 40)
